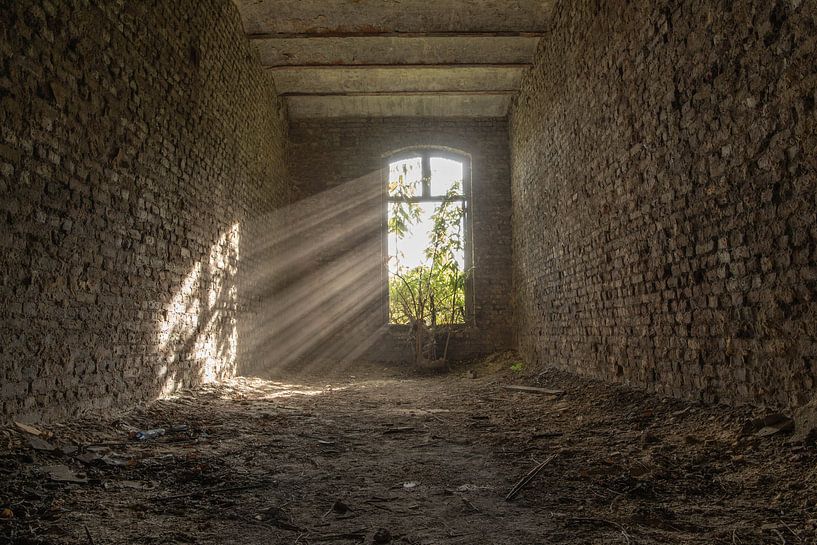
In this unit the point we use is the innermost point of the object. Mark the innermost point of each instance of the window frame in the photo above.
(426, 154)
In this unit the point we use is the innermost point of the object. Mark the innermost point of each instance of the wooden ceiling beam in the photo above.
(499, 92)
(377, 34)
(519, 65)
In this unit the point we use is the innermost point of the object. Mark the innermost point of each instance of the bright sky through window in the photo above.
(409, 252)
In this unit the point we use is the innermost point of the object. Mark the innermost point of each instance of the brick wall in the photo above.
(664, 160)
(338, 234)
(141, 148)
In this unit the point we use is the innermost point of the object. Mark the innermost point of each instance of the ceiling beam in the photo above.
(377, 34)
(395, 79)
(346, 18)
(362, 51)
(481, 106)
(498, 92)
(517, 65)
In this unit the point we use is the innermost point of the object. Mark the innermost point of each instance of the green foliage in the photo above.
(434, 292)
(517, 367)
(442, 291)
(403, 212)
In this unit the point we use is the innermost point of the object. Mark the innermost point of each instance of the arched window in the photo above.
(428, 236)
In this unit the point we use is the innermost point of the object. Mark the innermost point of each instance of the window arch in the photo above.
(428, 236)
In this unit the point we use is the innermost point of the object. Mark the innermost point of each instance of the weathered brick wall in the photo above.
(664, 157)
(338, 232)
(141, 147)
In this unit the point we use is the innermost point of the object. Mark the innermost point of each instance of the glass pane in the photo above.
(405, 177)
(445, 175)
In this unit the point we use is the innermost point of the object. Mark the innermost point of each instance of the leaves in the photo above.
(433, 292)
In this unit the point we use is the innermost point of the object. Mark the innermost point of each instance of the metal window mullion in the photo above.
(426, 175)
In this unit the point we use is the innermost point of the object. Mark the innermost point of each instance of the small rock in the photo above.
(62, 473)
(41, 444)
(6, 513)
(382, 536)
(339, 507)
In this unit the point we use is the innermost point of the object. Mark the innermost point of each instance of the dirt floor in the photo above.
(388, 457)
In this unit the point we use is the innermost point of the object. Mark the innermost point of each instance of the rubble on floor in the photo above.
(391, 457)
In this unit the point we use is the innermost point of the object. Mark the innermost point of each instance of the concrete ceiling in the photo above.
(407, 58)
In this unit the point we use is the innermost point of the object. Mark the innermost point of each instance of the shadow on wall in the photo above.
(318, 285)
(198, 334)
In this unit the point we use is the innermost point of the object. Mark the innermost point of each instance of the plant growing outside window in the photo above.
(426, 231)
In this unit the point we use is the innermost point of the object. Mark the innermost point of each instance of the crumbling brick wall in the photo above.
(141, 150)
(338, 168)
(664, 158)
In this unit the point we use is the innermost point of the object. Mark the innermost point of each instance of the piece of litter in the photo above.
(410, 485)
(61, 473)
(31, 430)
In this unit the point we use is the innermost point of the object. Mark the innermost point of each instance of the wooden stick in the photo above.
(534, 390)
(400, 429)
(524, 481)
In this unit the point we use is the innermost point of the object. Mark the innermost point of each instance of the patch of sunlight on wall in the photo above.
(198, 338)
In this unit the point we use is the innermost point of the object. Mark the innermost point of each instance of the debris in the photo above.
(400, 429)
(88, 536)
(41, 444)
(777, 428)
(806, 419)
(524, 481)
(133, 485)
(546, 434)
(468, 504)
(621, 528)
(357, 535)
(146, 435)
(279, 518)
(88, 457)
(31, 430)
(61, 473)
(118, 460)
(410, 485)
(6, 513)
(770, 424)
(472, 488)
(649, 438)
(682, 411)
(382, 536)
(326, 443)
(216, 490)
(68, 450)
(471, 374)
(339, 507)
(534, 390)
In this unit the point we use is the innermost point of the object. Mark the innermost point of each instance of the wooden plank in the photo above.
(401, 50)
(340, 34)
(401, 93)
(517, 65)
(534, 390)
